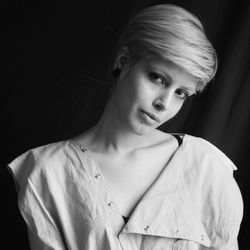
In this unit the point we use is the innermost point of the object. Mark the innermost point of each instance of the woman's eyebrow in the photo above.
(169, 79)
(164, 73)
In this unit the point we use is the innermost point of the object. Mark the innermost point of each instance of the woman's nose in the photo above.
(162, 103)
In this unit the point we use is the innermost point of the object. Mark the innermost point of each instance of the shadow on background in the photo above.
(54, 84)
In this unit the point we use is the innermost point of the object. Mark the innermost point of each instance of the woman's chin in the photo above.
(142, 129)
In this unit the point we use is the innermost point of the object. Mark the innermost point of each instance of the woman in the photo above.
(123, 184)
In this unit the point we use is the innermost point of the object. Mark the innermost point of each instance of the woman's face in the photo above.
(150, 93)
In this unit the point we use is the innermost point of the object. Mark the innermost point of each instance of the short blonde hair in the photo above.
(172, 33)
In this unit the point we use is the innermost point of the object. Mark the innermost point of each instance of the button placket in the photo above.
(202, 237)
(84, 149)
(98, 176)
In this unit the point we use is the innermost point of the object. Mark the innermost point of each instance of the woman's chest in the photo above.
(127, 180)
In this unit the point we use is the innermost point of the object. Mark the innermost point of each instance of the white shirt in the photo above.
(194, 203)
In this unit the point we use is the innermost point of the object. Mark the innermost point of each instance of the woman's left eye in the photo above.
(183, 94)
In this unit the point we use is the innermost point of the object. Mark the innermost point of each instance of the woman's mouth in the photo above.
(151, 115)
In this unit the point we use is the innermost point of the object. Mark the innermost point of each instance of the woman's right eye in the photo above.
(157, 78)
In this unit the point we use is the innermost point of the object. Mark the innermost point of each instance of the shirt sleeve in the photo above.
(222, 200)
(42, 228)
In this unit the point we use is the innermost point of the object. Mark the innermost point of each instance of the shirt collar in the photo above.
(166, 209)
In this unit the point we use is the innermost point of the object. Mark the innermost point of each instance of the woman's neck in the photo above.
(111, 135)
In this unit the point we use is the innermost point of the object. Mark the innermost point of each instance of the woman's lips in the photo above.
(152, 116)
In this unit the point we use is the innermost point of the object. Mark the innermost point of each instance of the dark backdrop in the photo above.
(53, 84)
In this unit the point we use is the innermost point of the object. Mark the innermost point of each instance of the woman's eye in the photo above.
(157, 78)
(183, 94)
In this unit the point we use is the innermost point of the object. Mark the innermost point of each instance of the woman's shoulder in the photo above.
(39, 160)
(208, 169)
(209, 178)
(41, 153)
(201, 151)
(52, 151)
(207, 165)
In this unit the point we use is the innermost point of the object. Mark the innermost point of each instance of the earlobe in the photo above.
(116, 72)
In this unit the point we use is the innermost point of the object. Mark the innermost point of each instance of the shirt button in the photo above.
(83, 149)
(177, 231)
(110, 204)
(97, 176)
(146, 228)
(202, 237)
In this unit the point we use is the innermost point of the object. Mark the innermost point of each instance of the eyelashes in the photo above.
(182, 93)
(162, 82)
(158, 78)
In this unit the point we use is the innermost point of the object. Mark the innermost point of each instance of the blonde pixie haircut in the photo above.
(172, 33)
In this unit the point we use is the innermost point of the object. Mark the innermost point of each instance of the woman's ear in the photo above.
(122, 58)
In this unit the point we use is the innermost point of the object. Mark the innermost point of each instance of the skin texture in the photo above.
(126, 142)
(150, 85)
(155, 86)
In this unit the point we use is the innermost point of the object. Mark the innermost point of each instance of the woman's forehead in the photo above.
(152, 60)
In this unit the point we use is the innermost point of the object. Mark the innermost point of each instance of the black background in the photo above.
(55, 59)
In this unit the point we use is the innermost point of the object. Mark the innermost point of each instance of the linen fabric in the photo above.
(195, 202)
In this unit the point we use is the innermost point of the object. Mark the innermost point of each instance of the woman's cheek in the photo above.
(176, 108)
